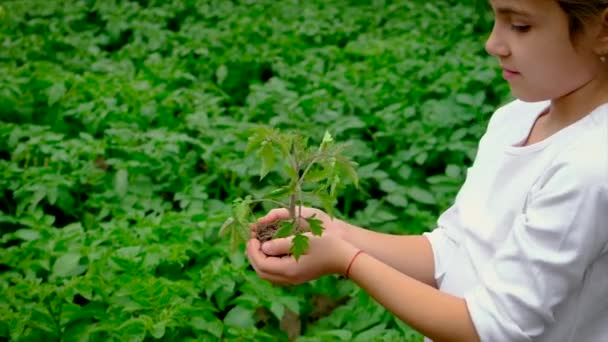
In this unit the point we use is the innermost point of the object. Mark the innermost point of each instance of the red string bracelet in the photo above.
(351, 262)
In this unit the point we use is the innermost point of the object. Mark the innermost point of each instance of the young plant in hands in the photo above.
(314, 174)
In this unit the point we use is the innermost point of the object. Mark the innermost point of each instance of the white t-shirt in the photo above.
(526, 241)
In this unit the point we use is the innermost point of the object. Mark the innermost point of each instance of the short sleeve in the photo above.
(562, 230)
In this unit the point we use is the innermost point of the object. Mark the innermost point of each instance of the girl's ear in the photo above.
(601, 47)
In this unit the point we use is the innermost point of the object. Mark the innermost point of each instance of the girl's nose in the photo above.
(495, 45)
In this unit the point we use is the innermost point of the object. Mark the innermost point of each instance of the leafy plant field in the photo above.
(123, 126)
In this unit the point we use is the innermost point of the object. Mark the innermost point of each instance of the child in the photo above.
(522, 255)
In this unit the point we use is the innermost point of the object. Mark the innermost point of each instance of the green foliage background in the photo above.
(122, 131)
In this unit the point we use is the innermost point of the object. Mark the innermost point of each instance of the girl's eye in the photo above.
(520, 28)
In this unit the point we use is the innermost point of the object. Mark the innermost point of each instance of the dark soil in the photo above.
(266, 232)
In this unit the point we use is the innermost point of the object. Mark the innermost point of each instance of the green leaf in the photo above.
(421, 195)
(286, 228)
(240, 317)
(397, 199)
(210, 325)
(343, 335)
(242, 210)
(158, 329)
(76, 330)
(51, 195)
(405, 172)
(299, 245)
(316, 225)
(221, 73)
(68, 265)
(268, 159)
(237, 230)
(316, 175)
(254, 142)
(452, 171)
(131, 253)
(371, 334)
(346, 170)
(327, 140)
(27, 234)
(389, 186)
(421, 158)
(286, 142)
(280, 192)
(133, 330)
(41, 319)
(277, 309)
(291, 303)
(291, 173)
(227, 226)
(55, 93)
(121, 182)
(237, 226)
(333, 186)
(326, 201)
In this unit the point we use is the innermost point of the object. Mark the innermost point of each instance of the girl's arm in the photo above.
(437, 315)
(409, 254)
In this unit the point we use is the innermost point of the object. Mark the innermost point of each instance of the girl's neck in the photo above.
(572, 107)
(568, 109)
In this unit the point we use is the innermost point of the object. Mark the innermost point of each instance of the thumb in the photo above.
(277, 246)
(274, 215)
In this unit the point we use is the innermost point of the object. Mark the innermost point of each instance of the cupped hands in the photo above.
(326, 254)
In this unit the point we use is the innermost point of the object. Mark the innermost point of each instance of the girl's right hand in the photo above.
(332, 226)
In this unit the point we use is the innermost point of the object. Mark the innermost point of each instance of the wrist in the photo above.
(346, 254)
(344, 230)
(350, 264)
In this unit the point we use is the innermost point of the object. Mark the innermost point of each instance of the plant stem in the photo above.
(294, 198)
(301, 179)
(297, 196)
(292, 206)
(308, 167)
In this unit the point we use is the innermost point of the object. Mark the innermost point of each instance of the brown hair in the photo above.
(579, 11)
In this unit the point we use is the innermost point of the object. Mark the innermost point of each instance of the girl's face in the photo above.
(539, 59)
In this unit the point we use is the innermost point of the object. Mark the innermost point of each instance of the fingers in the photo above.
(277, 279)
(281, 214)
(268, 265)
(252, 246)
(271, 260)
(279, 271)
(274, 215)
(277, 246)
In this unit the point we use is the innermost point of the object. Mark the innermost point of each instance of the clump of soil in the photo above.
(266, 232)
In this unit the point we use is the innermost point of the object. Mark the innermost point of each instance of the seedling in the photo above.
(314, 173)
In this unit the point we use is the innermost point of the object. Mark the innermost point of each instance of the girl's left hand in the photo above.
(326, 254)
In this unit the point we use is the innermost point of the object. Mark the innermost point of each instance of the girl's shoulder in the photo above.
(510, 121)
(588, 153)
(584, 160)
(517, 113)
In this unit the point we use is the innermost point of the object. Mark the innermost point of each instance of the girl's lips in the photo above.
(509, 74)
